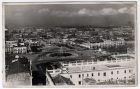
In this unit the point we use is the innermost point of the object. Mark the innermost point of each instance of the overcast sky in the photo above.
(69, 14)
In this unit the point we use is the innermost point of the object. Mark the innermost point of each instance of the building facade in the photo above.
(119, 69)
(19, 50)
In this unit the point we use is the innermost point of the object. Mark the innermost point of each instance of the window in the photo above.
(79, 75)
(117, 72)
(93, 68)
(130, 71)
(104, 73)
(79, 82)
(87, 75)
(124, 77)
(83, 75)
(112, 72)
(70, 76)
(124, 71)
(92, 74)
(98, 74)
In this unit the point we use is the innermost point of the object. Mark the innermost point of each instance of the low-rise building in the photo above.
(11, 43)
(20, 49)
(9, 46)
(103, 44)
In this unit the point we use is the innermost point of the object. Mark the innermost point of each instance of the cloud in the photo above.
(43, 10)
(104, 11)
(132, 10)
(83, 11)
(123, 10)
(87, 12)
(108, 11)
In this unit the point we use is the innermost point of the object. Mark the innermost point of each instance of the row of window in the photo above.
(104, 74)
(87, 62)
(80, 83)
(20, 49)
(16, 49)
(104, 45)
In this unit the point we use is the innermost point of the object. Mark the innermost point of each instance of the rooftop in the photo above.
(60, 80)
(97, 68)
(20, 66)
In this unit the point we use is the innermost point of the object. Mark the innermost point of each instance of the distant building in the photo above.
(8, 49)
(103, 44)
(32, 42)
(55, 40)
(11, 43)
(15, 47)
(20, 49)
(9, 46)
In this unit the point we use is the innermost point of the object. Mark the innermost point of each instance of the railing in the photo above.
(92, 62)
(54, 71)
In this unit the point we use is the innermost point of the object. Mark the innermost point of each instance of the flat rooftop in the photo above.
(97, 68)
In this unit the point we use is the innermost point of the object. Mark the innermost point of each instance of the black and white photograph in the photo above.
(70, 44)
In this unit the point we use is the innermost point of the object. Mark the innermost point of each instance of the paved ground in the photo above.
(19, 79)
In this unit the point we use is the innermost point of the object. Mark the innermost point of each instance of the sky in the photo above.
(69, 14)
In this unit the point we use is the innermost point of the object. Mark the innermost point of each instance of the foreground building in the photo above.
(83, 69)
(18, 72)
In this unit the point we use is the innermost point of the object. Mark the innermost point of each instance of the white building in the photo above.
(11, 43)
(32, 42)
(99, 74)
(9, 46)
(20, 49)
(119, 68)
(103, 44)
(9, 49)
